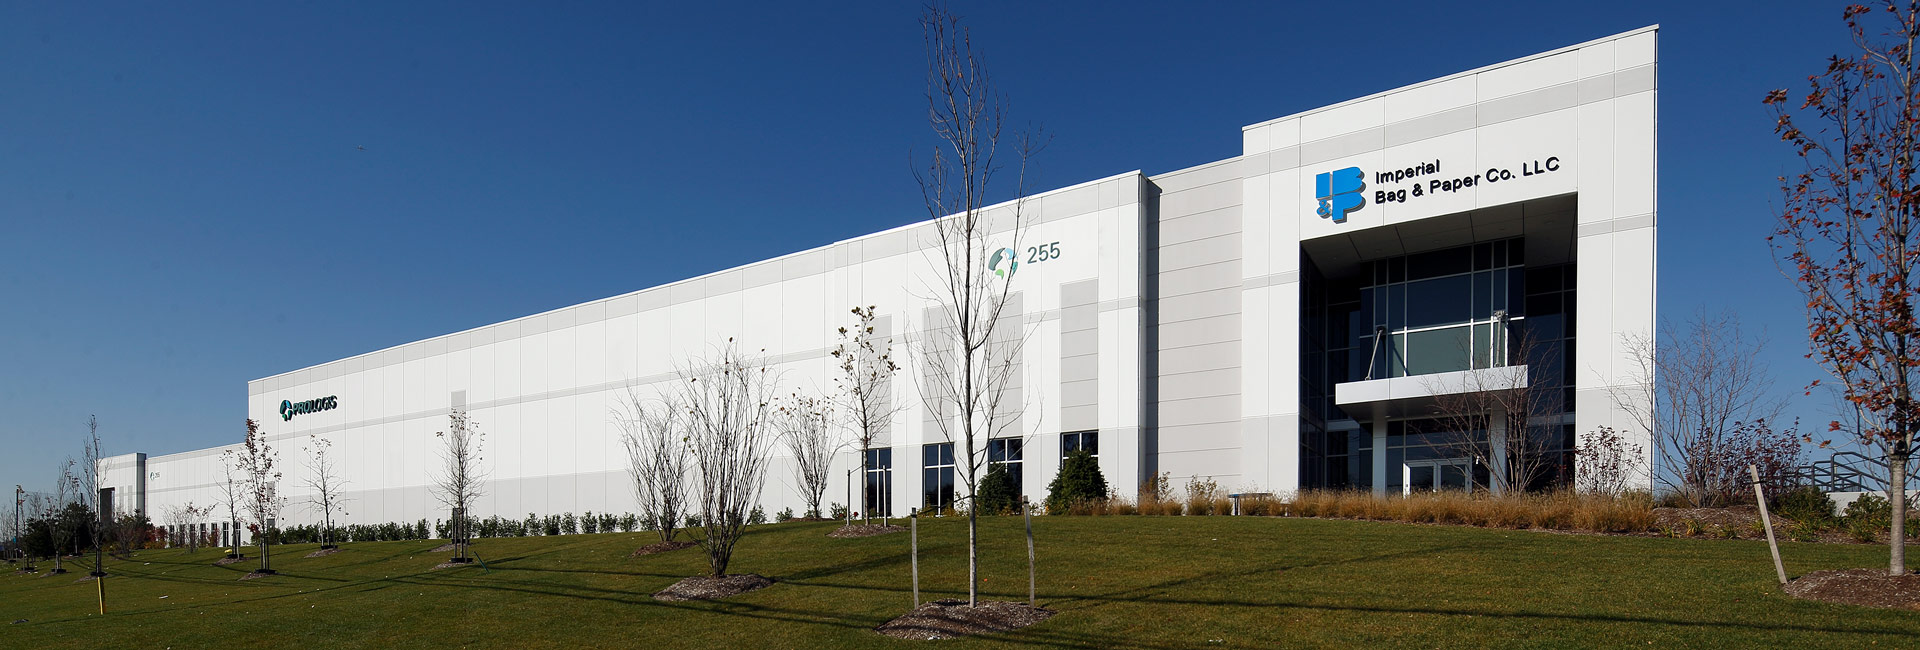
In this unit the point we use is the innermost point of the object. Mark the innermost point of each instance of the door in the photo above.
(1436, 475)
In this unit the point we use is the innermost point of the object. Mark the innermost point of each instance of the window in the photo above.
(1007, 453)
(1440, 311)
(878, 496)
(1079, 440)
(936, 480)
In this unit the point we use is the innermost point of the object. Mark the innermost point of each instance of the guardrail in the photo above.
(1845, 471)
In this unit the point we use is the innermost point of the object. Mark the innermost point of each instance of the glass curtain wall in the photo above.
(1440, 311)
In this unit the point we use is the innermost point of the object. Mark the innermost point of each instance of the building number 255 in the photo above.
(1043, 252)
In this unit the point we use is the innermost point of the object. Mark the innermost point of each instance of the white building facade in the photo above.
(1274, 321)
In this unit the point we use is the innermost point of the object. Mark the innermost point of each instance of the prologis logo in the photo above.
(288, 409)
(1339, 193)
(1007, 255)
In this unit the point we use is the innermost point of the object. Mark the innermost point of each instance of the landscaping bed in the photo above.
(661, 547)
(950, 619)
(1867, 587)
(864, 530)
(712, 588)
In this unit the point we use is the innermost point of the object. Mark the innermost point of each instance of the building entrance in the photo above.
(1437, 474)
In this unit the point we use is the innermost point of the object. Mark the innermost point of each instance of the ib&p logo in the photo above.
(1339, 193)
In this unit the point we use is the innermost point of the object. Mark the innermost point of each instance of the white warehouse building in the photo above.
(1278, 320)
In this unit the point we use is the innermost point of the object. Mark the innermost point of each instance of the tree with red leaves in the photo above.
(1849, 232)
(259, 483)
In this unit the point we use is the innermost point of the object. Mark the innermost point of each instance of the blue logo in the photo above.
(1339, 193)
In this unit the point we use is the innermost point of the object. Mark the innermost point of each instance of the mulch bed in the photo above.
(948, 619)
(711, 588)
(1868, 587)
(323, 552)
(454, 565)
(661, 547)
(444, 548)
(254, 575)
(865, 530)
(228, 560)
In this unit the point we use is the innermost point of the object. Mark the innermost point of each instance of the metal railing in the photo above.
(1845, 471)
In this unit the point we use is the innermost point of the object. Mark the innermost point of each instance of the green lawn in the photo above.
(1132, 582)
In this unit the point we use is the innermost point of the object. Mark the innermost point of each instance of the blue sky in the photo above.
(184, 205)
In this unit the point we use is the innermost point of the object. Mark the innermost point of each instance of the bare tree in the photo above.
(657, 459)
(1496, 418)
(729, 425)
(461, 481)
(1690, 394)
(62, 526)
(89, 495)
(233, 495)
(804, 427)
(180, 522)
(259, 489)
(970, 352)
(325, 487)
(865, 392)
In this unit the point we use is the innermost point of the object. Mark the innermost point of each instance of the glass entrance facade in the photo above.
(1463, 308)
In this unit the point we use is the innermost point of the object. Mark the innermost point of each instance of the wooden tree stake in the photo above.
(915, 535)
(1767, 521)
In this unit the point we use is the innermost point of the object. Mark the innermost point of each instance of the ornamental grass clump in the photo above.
(1631, 512)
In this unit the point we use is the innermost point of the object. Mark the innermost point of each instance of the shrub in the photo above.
(569, 525)
(998, 494)
(693, 521)
(1802, 531)
(1259, 506)
(550, 525)
(1862, 530)
(629, 522)
(786, 514)
(758, 516)
(608, 522)
(838, 510)
(589, 524)
(1202, 496)
(1078, 480)
(1806, 503)
(1870, 511)
(532, 525)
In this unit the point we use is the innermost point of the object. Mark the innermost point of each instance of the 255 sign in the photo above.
(1006, 260)
(1038, 254)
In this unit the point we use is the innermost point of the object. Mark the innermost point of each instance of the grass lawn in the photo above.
(1118, 582)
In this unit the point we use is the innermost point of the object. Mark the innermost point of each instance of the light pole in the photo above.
(19, 501)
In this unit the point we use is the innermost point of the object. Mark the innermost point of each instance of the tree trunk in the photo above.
(866, 509)
(973, 554)
(1897, 498)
